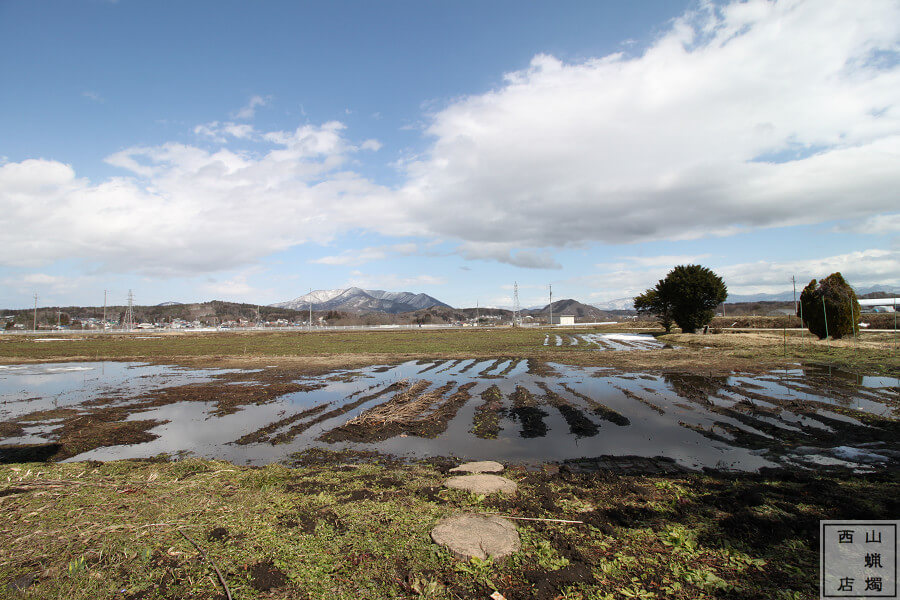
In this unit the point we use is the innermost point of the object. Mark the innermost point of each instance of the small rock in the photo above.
(482, 466)
(482, 536)
(482, 484)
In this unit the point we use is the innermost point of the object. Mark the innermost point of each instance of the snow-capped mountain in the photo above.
(617, 304)
(359, 300)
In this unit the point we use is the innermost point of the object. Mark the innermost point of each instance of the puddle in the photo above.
(620, 341)
(505, 409)
(48, 386)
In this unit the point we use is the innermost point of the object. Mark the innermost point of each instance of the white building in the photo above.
(879, 304)
(562, 320)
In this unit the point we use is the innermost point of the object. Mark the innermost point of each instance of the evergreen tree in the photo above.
(830, 307)
(688, 296)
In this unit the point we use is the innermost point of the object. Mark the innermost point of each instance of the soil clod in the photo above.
(265, 576)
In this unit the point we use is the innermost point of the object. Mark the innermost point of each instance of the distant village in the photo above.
(14, 323)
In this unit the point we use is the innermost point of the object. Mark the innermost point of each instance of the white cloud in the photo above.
(671, 144)
(93, 96)
(876, 225)
(366, 255)
(392, 281)
(249, 111)
(863, 268)
(503, 252)
(219, 132)
(668, 260)
(185, 210)
(353, 257)
(48, 287)
(235, 288)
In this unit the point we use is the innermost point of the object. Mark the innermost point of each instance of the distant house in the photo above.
(562, 320)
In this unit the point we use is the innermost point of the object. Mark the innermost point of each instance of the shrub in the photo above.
(829, 307)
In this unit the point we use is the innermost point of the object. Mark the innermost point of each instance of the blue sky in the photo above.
(252, 151)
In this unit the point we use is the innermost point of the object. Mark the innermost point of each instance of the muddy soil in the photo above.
(525, 410)
(265, 576)
(579, 424)
(410, 412)
(486, 421)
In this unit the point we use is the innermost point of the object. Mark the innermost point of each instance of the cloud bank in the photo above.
(749, 115)
(689, 139)
(184, 210)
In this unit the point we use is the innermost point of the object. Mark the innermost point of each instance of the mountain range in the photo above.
(358, 300)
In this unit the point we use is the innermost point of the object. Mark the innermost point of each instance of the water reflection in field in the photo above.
(506, 409)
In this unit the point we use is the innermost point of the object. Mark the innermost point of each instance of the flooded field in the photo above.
(512, 410)
(605, 341)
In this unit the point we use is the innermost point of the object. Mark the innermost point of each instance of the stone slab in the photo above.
(481, 466)
(482, 484)
(482, 536)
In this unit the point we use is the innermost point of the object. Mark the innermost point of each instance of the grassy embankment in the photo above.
(873, 353)
(322, 530)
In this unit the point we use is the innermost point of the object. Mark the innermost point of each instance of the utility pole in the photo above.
(35, 311)
(550, 285)
(310, 309)
(515, 322)
(477, 316)
(794, 282)
(104, 310)
(58, 318)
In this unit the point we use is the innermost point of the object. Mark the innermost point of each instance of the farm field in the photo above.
(310, 464)
(874, 353)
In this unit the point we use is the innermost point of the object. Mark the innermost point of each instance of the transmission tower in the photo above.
(129, 312)
(515, 304)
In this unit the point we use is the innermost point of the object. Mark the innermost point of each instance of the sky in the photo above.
(252, 151)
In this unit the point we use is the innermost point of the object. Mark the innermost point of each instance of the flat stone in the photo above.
(482, 536)
(482, 484)
(481, 466)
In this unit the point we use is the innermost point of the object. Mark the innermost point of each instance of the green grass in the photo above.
(112, 531)
(453, 341)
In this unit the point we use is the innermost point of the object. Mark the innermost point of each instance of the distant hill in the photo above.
(582, 312)
(209, 313)
(358, 300)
